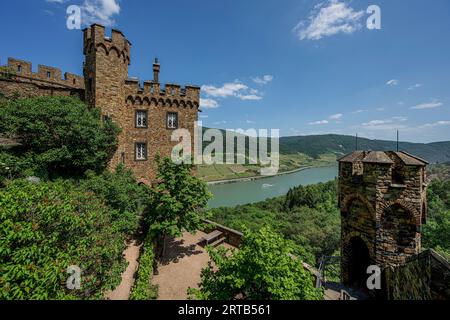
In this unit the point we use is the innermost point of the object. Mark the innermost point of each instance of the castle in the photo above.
(147, 114)
(383, 204)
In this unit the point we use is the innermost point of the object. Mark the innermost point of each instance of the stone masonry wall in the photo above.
(18, 79)
(384, 205)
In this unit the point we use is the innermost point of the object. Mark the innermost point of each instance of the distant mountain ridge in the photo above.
(316, 145)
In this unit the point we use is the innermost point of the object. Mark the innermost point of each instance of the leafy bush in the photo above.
(121, 192)
(143, 289)
(58, 135)
(262, 269)
(47, 227)
(436, 233)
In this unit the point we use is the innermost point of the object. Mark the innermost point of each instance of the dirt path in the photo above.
(181, 266)
(122, 292)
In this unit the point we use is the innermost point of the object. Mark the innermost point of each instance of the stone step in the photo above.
(217, 242)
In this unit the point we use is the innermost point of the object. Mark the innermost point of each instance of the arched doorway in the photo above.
(358, 261)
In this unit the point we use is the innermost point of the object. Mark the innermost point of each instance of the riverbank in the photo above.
(254, 178)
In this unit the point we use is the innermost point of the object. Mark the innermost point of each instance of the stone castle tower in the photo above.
(147, 112)
(382, 198)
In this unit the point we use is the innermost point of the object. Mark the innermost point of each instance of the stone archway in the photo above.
(358, 259)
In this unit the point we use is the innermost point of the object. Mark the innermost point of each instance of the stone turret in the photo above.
(382, 199)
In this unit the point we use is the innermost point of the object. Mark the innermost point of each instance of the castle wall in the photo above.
(18, 79)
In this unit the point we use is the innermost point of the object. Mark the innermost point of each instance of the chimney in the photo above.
(156, 68)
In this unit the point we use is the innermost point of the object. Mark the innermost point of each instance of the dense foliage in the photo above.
(308, 215)
(121, 192)
(177, 200)
(437, 230)
(143, 289)
(47, 227)
(262, 269)
(58, 136)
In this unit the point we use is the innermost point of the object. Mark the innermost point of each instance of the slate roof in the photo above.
(382, 157)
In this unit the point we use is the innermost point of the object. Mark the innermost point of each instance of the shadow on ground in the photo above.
(177, 250)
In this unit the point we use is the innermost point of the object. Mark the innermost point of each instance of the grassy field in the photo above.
(288, 162)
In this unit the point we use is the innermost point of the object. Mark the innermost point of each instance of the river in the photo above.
(233, 194)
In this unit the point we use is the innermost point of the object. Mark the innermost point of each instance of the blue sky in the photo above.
(303, 66)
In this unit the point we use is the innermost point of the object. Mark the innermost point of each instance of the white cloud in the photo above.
(386, 124)
(392, 82)
(250, 122)
(381, 109)
(436, 124)
(203, 116)
(327, 19)
(416, 86)
(99, 11)
(360, 111)
(55, 1)
(263, 80)
(428, 105)
(208, 104)
(249, 97)
(227, 90)
(320, 122)
(235, 89)
(336, 116)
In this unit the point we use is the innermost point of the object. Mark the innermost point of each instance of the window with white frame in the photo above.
(141, 119)
(141, 151)
(172, 120)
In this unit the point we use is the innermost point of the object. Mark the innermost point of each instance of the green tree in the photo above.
(263, 268)
(49, 226)
(58, 136)
(178, 200)
(121, 192)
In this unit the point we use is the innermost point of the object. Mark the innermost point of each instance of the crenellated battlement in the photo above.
(148, 112)
(22, 70)
(95, 38)
(153, 92)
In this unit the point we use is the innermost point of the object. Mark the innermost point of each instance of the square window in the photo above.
(19, 69)
(49, 74)
(172, 120)
(141, 151)
(141, 119)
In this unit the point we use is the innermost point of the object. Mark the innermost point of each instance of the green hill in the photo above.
(321, 150)
(314, 146)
